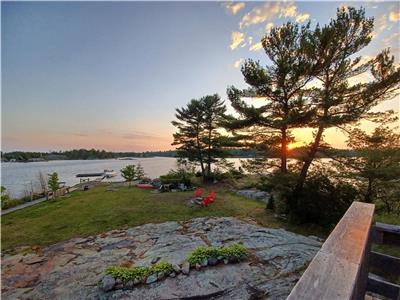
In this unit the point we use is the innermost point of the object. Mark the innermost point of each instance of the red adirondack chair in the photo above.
(206, 201)
(212, 196)
(198, 192)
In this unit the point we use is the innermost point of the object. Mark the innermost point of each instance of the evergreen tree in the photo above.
(335, 100)
(376, 163)
(53, 183)
(131, 173)
(139, 172)
(197, 137)
(214, 110)
(281, 86)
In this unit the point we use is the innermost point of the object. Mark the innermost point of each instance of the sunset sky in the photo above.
(110, 75)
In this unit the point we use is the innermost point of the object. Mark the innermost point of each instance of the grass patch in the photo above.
(85, 213)
(233, 252)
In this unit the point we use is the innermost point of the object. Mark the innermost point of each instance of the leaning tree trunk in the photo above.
(284, 145)
(309, 159)
(293, 200)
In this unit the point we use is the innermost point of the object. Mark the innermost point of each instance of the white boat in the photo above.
(109, 173)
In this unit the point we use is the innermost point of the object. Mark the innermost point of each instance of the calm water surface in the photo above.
(18, 177)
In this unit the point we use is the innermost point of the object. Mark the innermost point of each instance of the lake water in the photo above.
(18, 178)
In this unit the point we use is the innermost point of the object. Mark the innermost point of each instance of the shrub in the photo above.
(233, 252)
(139, 273)
(323, 201)
(280, 186)
(177, 176)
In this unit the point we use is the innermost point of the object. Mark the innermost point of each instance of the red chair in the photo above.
(212, 196)
(198, 192)
(206, 201)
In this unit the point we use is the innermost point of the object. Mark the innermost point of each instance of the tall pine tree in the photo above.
(281, 86)
(198, 138)
(336, 101)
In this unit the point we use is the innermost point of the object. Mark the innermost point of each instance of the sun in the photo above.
(293, 145)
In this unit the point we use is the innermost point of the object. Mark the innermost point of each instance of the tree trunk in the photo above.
(368, 195)
(203, 173)
(200, 156)
(284, 151)
(309, 159)
(209, 152)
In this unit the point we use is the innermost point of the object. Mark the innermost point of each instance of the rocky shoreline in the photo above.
(74, 268)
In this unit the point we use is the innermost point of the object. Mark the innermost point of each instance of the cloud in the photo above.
(238, 63)
(300, 18)
(380, 25)
(250, 40)
(270, 11)
(137, 135)
(234, 7)
(394, 16)
(269, 26)
(262, 13)
(289, 11)
(237, 39)
(391, 41)
(256, 47)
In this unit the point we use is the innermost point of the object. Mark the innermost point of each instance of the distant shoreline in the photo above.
(93, 154)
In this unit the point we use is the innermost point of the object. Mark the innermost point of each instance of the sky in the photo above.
(109, 75)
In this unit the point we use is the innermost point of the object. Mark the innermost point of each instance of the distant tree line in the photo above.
(22, 156)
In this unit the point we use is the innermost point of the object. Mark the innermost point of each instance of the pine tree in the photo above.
(53, 183)
(280, 85)
(336, 101)
(197, 137)
(214, 110)
(375, 164)
(131, 173)
(139, 172)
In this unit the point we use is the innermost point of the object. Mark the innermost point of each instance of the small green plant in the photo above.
(132, 172)
(139, 273)
(53, 183)
(233, 252)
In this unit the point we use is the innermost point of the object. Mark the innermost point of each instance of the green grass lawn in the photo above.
(97, 210)
(84, 213)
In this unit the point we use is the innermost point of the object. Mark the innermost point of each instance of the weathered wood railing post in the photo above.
(340, 268)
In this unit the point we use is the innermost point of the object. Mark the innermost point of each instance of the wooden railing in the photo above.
(384, 264)
(340, 269)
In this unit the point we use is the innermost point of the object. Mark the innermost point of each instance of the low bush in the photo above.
(280, 187)
(323, 201)
(176, 177)
(139, 273)
(233, 252)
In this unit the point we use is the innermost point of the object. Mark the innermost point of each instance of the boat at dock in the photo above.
(126, 158)
(104, 174)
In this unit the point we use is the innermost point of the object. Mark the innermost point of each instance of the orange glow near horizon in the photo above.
(291, 146)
